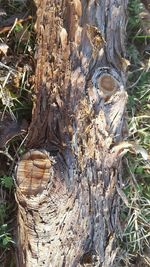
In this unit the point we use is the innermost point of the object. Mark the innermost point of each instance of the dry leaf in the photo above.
(125, 63)
(2, 12)
(4, 48)
(140, 150)
(123, 147)
(145, 21)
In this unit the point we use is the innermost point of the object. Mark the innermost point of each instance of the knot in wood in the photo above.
(108, 84)
(33, 172)
(107, 81)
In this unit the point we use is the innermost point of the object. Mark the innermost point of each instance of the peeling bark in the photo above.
(68, 207)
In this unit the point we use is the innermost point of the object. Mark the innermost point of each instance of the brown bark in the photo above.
(68, 206)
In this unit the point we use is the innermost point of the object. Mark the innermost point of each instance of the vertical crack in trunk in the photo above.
(66, 184)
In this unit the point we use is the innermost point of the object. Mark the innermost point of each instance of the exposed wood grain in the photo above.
(70, 217)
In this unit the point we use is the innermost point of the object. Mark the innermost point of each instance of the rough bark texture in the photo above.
(68, 205)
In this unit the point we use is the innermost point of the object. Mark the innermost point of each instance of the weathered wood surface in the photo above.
(68, 206)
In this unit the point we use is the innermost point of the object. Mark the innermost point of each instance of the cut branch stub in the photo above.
(108, 84)
(108, 81)
(33, 172)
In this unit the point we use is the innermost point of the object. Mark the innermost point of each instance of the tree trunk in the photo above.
(68, 181)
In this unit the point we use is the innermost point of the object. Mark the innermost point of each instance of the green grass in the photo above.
(135, 218)
(16, 100)
(6, 222)
(16, 85)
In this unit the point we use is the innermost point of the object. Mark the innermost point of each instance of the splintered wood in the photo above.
(68, 204)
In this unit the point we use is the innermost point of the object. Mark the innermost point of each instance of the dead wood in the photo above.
(68, 205)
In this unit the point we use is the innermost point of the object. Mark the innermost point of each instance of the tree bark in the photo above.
(68, 181)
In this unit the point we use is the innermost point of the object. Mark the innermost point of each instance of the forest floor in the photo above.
(17, 67)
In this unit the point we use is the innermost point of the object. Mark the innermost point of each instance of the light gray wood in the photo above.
(68, 205)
